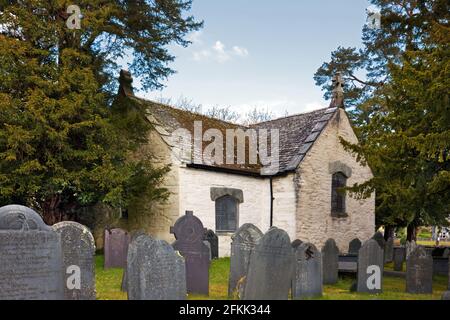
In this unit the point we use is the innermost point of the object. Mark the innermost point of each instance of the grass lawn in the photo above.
(109, 282)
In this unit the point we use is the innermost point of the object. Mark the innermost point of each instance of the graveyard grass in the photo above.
(109, 282)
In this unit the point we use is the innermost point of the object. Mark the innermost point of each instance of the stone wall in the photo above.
(314, 221)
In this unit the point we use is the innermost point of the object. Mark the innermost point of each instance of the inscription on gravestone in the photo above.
(156, 271)
(370, 267)
(271, 268)
(115, 248)
(213, 240)
(189, 232)
(78, 250)
(308, 272)
(30, 257)
(330, 262)
(419, 272)
(243, 241)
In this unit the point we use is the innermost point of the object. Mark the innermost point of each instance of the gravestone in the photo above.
(155, 271)
(410, 247)
(213, 240)
(243, 241)
(78, 253)
(189, 232)
(307, 282)
(379, 238)
(209, 249)
(133, 236)
(296, 243)
(419, 272)
(446, 295)
(399, 258)
(30, 257)
(446, 253)
(354, 246)
(389, 250)
(370, 267)
(271, 268)
(115, 248)
(330, 262)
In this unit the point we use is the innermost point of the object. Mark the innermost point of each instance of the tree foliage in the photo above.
(62, 144)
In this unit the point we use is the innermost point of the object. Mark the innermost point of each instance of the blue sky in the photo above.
(261, 53)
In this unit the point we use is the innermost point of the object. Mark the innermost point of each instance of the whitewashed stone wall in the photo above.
(194, 194)
(314, 221)
(284, 204)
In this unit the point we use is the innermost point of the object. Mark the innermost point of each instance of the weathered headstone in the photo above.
(379, 238)
(78, 252)
(189, 232)
(389, 250)
(155, 271)
(399, 258)
(271, 268)
(370, 267)
(307, 282)
(354, 246)
(446, 253)
(243, 241)
(30, 257)
(133, 236)
(446, 295)
(209, 249)
(115, 248)
(330, 262)
(419, 272)
(213, 240)
(410, 247)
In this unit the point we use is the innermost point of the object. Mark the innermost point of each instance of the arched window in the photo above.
(339, 181)
(227, 208)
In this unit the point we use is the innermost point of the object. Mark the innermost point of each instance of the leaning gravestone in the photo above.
(379, 238)
(213, 240)
(133, 236)
(307, 282)
(189, 232)
(271, 268)
(330, 262)
(419, 272)
(354, 246)
(370, 267)
(30, 257)
(115, 248)
(399, 258)
(243, 241)
(389, 250)
(78, 251)
(155, 271)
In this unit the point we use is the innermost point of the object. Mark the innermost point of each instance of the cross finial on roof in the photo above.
(125, 81)
(338, 91)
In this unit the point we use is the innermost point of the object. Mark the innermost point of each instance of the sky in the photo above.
(261, 53)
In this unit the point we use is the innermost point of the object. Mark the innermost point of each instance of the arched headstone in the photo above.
(379, 238)
(370, 267)
(213, 240)
(243, 241)
(271, 268)
(189, 232)
(307, 282)
(296, 243)
(354, 246)
(78, 250)
(30, 257)
(330, 262)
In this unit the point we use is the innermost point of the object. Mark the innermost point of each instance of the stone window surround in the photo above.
(335, 167)
(217, 193)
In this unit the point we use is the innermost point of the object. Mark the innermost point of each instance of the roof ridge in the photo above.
(291, 116)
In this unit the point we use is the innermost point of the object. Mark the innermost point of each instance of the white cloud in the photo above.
(219, 53)
(195, 37)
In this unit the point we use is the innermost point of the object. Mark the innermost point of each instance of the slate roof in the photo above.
(297, 132)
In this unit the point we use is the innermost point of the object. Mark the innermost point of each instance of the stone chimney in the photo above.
(126, 84)
(338, 92)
